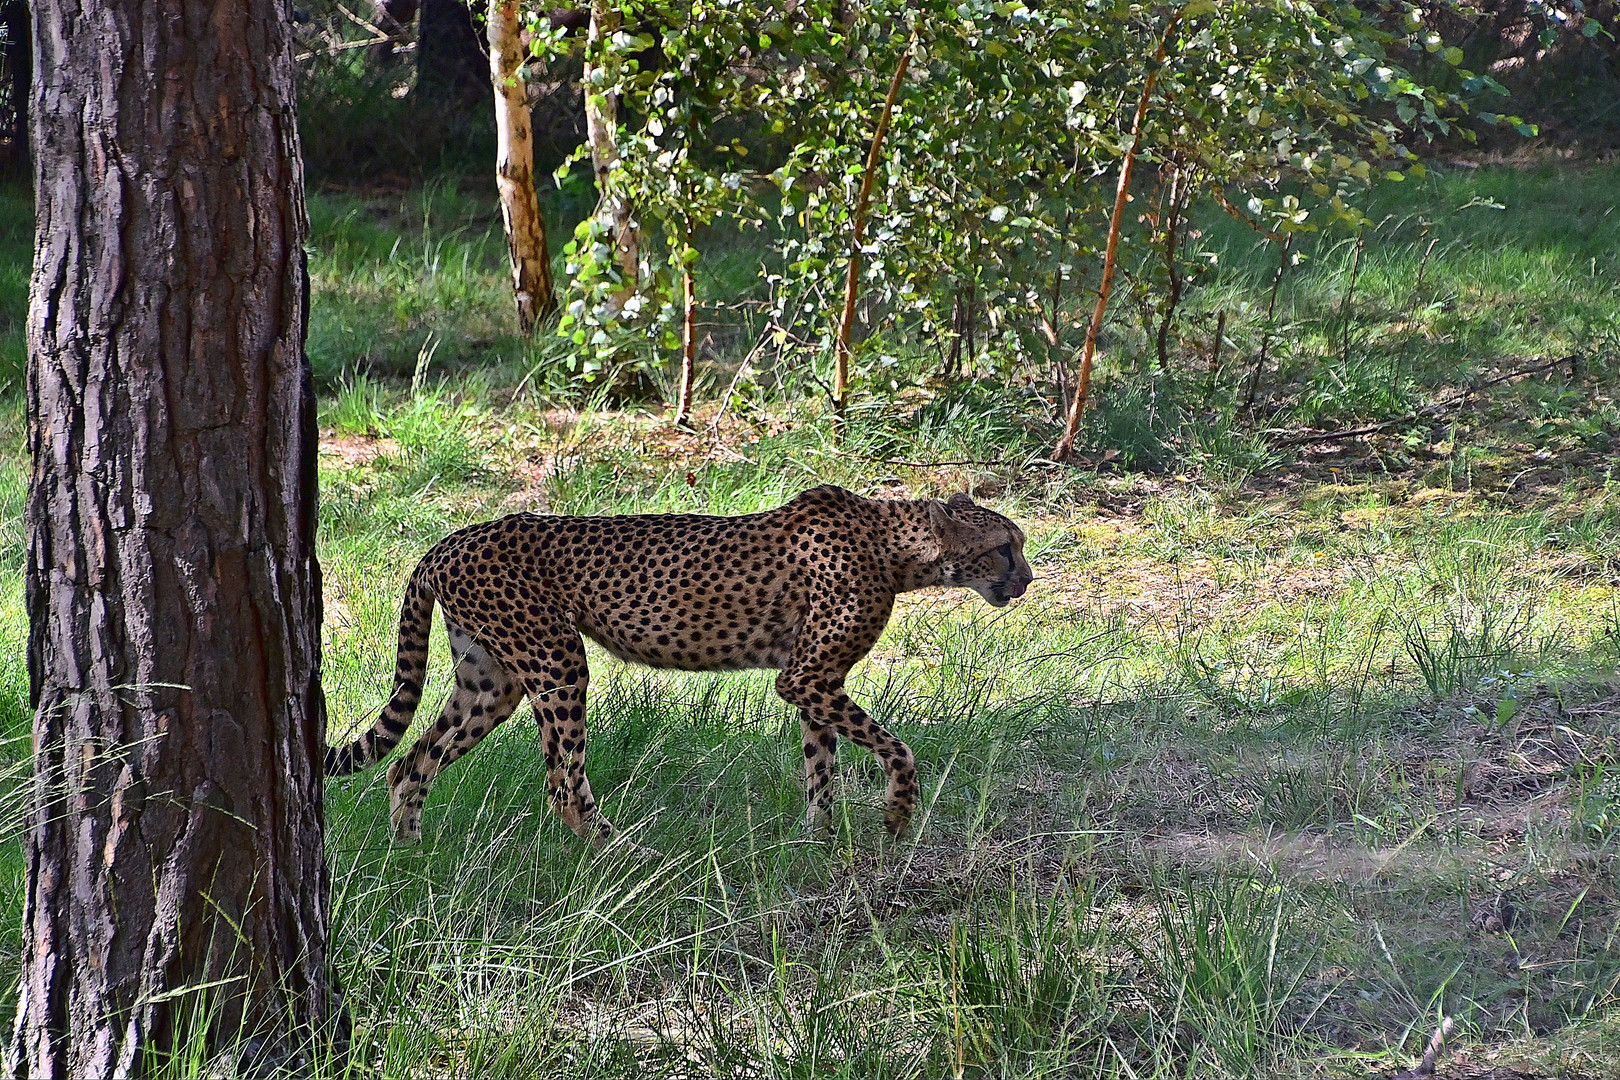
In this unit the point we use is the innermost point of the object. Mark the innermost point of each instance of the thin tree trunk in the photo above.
(175, 838)
(1082, 389)
(1172, 238)
(1049, 321)
(613, 211)
(970, 320)
(1271, 311)
(1350, 297)
(1417, 286)
(953, 352)
(683, 413)
(847, 323)
(514, 168)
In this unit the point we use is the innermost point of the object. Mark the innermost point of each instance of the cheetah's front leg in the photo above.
(820, 769)
(825, 709)
(561, 716)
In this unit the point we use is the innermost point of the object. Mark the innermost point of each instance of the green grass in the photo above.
(1230, 793)
(1459, 270)
(16, 247)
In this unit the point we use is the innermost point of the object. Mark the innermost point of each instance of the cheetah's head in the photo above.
(979, 549)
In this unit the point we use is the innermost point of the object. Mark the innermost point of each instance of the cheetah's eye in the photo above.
(1005, 551)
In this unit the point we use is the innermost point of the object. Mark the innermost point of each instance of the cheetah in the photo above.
(805, 588)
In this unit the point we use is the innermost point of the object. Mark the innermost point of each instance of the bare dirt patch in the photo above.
(354, 451)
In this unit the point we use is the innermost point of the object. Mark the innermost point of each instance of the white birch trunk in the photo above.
(514, 168)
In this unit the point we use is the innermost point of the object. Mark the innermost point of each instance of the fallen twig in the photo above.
(1431, 1055)
(379, 36)
(365, 43)
(1427, 412)
(933, 464)
(376, 31)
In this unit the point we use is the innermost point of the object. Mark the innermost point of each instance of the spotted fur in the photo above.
(805, 588)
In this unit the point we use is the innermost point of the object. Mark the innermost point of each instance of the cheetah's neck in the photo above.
(915, 552)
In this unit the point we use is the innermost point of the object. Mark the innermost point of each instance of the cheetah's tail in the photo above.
(415, 620)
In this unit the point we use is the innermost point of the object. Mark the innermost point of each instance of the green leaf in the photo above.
(1547, 37)
(1453, 55)
(1506, 709)
(1195, 8)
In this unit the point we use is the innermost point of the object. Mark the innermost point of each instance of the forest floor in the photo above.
(1296, 747)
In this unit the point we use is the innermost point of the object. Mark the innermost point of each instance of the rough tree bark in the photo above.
(173, 594)
(514, 168)
(614, 214)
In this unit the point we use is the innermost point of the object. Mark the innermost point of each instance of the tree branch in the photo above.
(841, 371)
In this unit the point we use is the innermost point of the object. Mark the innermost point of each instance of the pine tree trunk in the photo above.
(613, 211)
(173, 594)
(514, 168)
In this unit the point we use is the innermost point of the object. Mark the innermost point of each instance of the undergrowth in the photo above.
(1293, 749)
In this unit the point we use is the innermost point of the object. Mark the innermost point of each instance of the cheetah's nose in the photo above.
(1017, 586)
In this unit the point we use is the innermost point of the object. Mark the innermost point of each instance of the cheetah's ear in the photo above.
(960, 501)
(940, 520)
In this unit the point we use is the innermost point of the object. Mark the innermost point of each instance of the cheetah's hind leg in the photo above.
(484, 695)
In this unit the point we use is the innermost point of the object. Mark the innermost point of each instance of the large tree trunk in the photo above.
(173, 593)
(613, 214)
(514, 168)
(451, 68)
